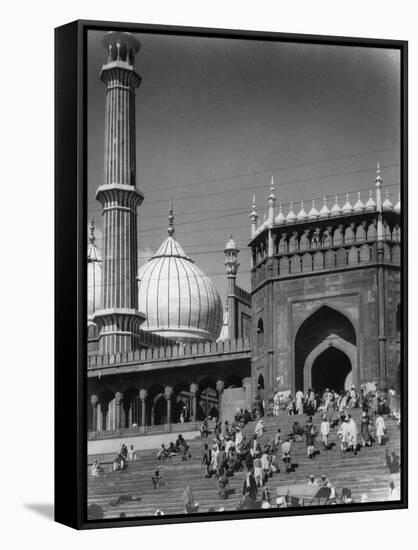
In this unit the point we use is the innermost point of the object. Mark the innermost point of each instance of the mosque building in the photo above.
(323, 308)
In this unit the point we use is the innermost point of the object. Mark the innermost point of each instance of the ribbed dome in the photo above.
(177, 298)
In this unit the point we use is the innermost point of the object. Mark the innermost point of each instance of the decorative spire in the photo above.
(370, 204)
(171, 229)
(336, 209)
(397, 206)
(324, 212)
(280, 218)
(347, 208)
(359, 206)
(92, 228)
(272, 197)
(378, 179)
(302, 215)
(387, 205)
(378, 183)
(313, 212)
(291, 216)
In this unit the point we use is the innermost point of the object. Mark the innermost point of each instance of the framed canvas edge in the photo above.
(71, 185)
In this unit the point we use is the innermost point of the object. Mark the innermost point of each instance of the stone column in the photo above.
(94, 400)
(118, 405)
(193, 392)
(99, 417)
(119, 319)
(168, 392)
(220, 385)
(142, 396)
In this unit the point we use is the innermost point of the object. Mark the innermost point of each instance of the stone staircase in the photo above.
(364, 473)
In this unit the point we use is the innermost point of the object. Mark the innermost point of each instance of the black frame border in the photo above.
(71, 267)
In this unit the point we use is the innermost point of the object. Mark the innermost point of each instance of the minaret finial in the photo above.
(171, 229)
(92, 227)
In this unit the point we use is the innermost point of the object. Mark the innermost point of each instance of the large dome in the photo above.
(177, 298)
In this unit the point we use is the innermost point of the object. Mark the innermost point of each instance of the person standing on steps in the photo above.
(310, 438)
(324, 432)
(365, 431)
(342, 435)
(286, 448)
(352, 434)
(206, 460)
(249, 490)
(299, 402)
(380, 429)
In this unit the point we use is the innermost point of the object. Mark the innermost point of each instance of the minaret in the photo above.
(378, 183)
(272, 202)
(118, 318)
(231, 265)
(94, 280)
(253, 218)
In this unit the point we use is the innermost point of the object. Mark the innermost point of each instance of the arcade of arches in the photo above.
(325, 351)
(158, 404)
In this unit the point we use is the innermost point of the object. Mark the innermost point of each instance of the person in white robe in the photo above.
(352, 434)
(299, 402)
(343, 436)
(324, 430)
(380, 429)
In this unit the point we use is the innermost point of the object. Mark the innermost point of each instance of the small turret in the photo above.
(254, 218)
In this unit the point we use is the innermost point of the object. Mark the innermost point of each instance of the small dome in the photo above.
(324, 212)
(348, 207)
(387, 205)
(280, 219)
(359, 206)
(313, 212)
(291, 216)
(336, 209)
(370, 204)
(178, 299)
(302, 215)
(231, 245)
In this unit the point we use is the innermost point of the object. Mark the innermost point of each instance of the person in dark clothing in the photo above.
(249, 490)
(206, 460)
(222, 464)
(392, 462)
(223, 484)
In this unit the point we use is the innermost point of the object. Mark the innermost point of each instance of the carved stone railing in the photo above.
(169, 352)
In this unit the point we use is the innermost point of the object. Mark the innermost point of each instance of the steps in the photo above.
(365, 473)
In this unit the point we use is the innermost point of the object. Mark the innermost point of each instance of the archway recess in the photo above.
(325, 328)
(330, 369)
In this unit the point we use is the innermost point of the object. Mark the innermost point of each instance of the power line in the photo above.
(233, 213)
(254, 186)
(265, 171)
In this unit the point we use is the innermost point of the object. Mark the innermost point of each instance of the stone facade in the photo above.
(329, 283)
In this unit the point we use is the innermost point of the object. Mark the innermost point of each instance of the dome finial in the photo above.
(171, 229)
(378, 179)
(92, 228)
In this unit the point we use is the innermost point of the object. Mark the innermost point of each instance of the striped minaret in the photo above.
(118, 318)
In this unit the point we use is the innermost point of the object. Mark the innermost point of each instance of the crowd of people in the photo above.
(230, 447)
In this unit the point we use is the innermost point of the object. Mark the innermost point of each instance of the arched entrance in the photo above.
(325, 351)
(331, 369)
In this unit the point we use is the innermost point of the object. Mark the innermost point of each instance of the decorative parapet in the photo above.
(169, 352)
(328, 243)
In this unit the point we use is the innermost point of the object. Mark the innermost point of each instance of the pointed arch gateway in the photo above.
(325, 351)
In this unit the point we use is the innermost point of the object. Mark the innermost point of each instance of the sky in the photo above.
(216, 118)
